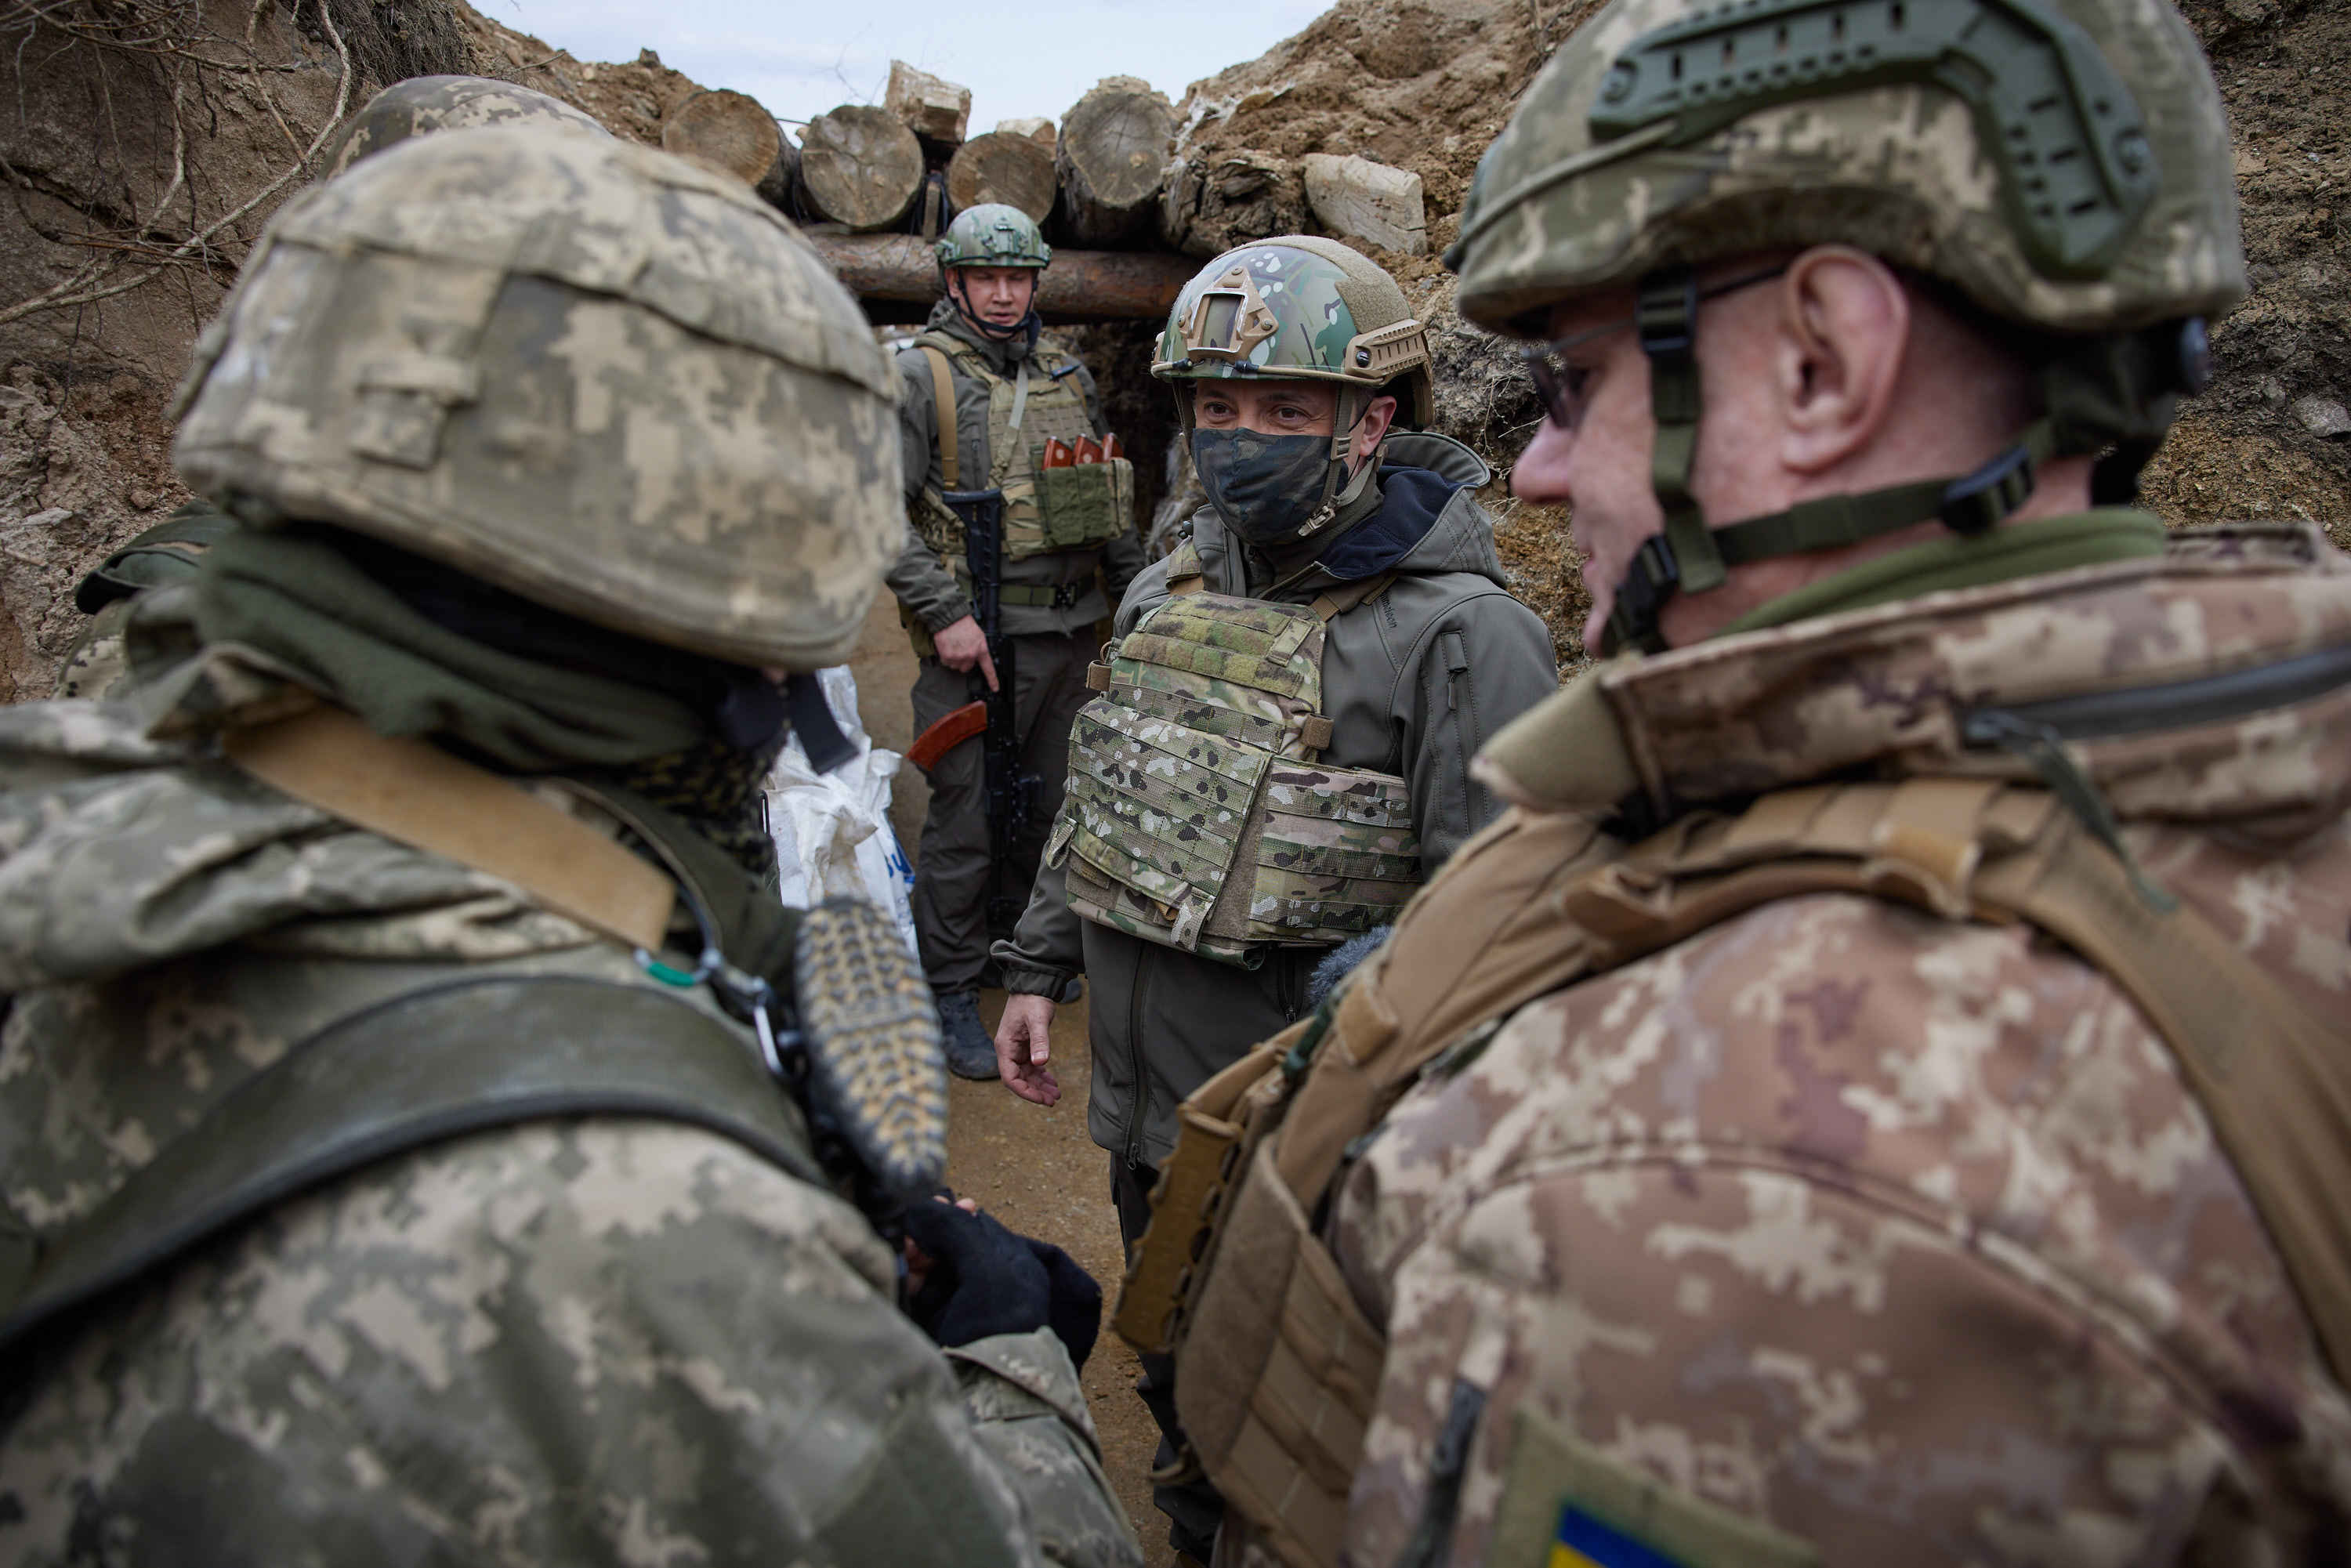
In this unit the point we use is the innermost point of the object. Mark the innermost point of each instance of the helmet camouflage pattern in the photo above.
(422, 105)
(993, 234)
(2064, 164)
(583, 370)
(1297, 307)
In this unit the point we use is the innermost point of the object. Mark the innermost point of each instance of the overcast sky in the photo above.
(803, 58)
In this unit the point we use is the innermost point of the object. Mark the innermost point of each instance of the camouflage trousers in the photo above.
(953, 864)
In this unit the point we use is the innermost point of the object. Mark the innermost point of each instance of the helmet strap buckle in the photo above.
(1975, 503)
(1653, 577)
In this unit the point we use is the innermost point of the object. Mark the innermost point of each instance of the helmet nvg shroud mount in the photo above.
(2001, 147)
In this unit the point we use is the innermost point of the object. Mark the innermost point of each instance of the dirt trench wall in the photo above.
(143, 143)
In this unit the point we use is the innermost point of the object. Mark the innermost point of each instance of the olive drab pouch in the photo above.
(1046, 510)
(1197, 815)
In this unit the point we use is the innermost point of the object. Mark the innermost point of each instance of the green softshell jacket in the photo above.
(594, 1339)
(1413, 682)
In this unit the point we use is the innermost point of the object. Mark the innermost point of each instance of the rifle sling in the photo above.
(414, 792)
(422, 1068)
(943, 394)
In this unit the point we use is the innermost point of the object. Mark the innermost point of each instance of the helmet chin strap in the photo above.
(1339, 486)
(2114, 394)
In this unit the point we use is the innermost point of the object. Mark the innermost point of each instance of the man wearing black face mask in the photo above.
(1278, 752)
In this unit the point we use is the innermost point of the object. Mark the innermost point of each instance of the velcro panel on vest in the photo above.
(1276, 1403)
(1335, 854)
(1243, 646)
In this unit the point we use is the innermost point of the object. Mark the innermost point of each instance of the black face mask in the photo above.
(1265, 487)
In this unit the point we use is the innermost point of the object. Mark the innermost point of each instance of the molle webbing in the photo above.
(423, 1069)
(1239, 1284)
(1197, 815)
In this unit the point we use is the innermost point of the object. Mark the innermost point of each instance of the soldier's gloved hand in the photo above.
(985, 1279)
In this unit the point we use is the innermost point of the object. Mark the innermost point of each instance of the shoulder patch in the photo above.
(1565, 1504)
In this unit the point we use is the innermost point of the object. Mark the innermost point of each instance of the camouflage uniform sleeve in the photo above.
(590, 1341)
(1029, 1411)
(1486, 661)
(1840, 1225)
(924, 584)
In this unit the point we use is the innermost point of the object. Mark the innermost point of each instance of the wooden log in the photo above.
(1112, 155)
(776, 186)
(1080, 286)
(1035, 127)
(1356, 198)
(931, 108)
(1000, 168)
(1222, 199)
(730, 129)
(859, 167)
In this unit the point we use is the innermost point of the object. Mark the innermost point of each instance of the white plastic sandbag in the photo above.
(832, 830)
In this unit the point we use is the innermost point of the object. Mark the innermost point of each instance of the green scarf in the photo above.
(2017, 549)
(296, 597)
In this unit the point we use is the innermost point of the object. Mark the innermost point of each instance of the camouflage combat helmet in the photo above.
(992, 234)
(2061, 165)
(581, 369)
(422, 105)
(1300, 307)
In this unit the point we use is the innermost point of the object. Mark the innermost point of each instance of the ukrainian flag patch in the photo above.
(1583, 1542)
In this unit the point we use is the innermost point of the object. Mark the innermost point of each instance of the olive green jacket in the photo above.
(597, 1338)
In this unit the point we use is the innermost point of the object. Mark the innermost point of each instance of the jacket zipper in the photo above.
(2176, 704)
(1135, 1055)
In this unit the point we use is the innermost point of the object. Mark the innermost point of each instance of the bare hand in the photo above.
(961, 644)
(1024, 1046)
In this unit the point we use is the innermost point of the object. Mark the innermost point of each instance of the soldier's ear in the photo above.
(1840, 335)
(1379, 418)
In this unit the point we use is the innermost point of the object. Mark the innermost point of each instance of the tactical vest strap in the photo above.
(943, 394)
(1538, 903)
(426, 1068)
(1333, 602)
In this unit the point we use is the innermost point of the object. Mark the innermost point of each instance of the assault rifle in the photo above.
(1011, 794)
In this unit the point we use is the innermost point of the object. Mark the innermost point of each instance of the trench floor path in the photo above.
(1033, 1168)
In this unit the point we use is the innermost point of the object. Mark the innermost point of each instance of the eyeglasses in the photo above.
(1561, 385)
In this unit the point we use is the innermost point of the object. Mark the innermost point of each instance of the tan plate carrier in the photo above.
(1278, 1369)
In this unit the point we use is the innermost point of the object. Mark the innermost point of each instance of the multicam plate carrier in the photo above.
(1196, 814)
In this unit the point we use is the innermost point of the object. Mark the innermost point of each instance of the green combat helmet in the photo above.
(422, 105)
(2062, 164)
(1298, 306)
(583, 370)
(992, 234)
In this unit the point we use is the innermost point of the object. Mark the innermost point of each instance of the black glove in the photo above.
(985, 1279)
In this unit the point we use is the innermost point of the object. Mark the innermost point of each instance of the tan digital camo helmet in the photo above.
(423, 105)
(2063, 164)
(581, 369)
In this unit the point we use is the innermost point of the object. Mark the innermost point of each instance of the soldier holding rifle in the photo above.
(1021, 510)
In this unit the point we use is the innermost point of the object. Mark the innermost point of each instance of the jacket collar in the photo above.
(1885, 691)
